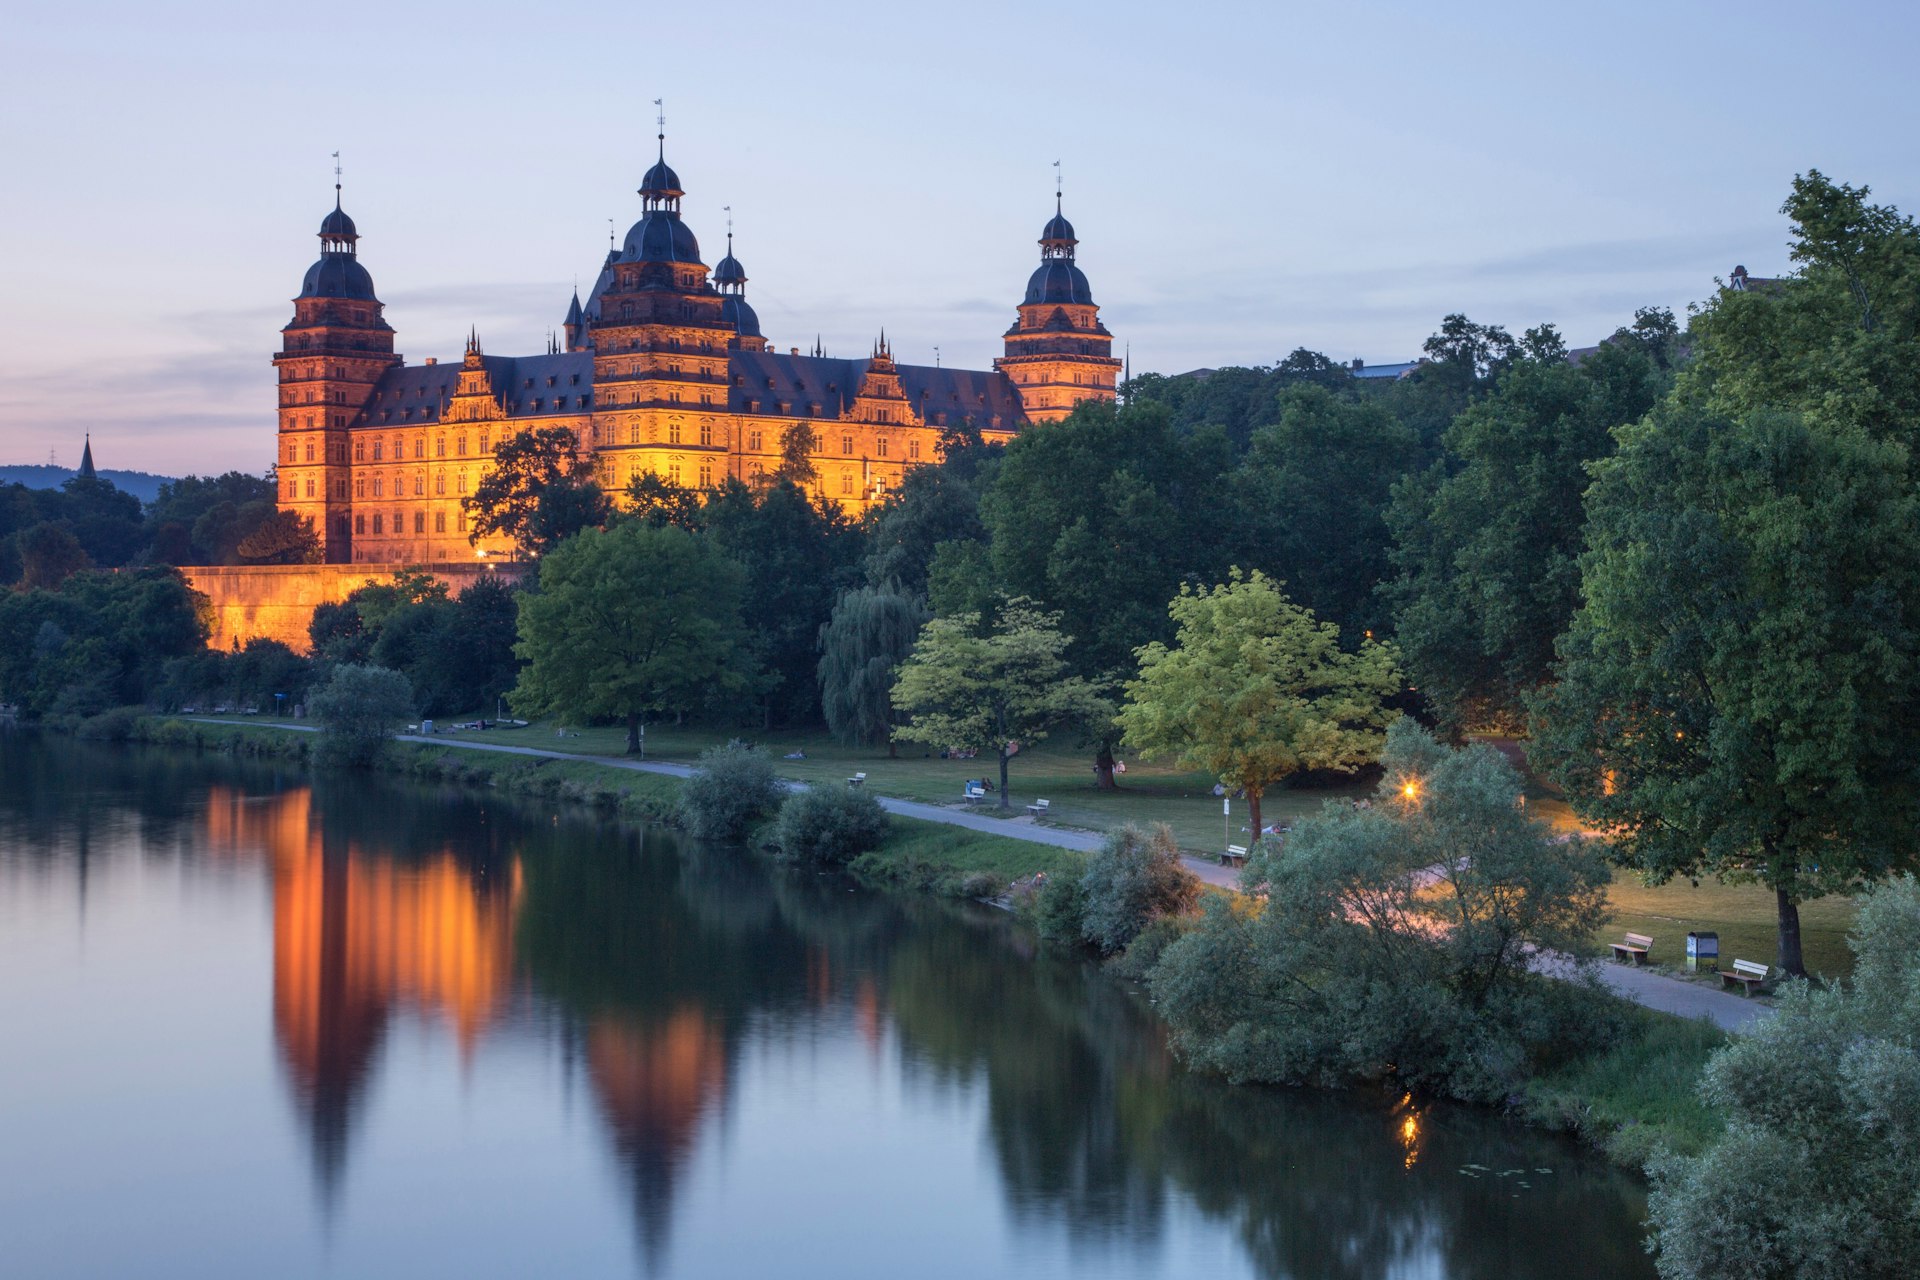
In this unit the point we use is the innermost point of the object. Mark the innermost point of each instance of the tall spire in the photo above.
(1057, 187)
(86, 458)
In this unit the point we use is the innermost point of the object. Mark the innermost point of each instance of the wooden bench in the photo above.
(1745, 972)
(1038, 808)
(857, 780)
(1634, 948)
(1235, 856)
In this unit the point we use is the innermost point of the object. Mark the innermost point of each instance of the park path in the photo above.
(1646, 987)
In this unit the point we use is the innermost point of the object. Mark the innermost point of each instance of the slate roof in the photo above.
(988, 397)
(414, 394)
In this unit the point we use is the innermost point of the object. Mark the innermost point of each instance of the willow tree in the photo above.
(862, 645)
(1255, 689)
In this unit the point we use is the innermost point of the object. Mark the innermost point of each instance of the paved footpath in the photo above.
(1642, 986)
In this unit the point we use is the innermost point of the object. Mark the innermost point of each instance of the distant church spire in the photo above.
(86, 458)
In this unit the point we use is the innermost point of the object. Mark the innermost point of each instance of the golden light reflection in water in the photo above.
(1409, 1131)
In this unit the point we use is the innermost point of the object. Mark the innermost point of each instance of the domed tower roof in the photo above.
(660, 236)
(338, 273)
(661, 180)
(740, 316)
(728, 274)
(1058, 280)
(1058, 231)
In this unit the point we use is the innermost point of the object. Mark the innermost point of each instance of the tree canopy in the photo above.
(632, 622)
(862, 645)
(540, 491)
(1255, 689)
(997, 688)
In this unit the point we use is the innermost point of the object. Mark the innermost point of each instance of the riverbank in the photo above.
(1631, 1101)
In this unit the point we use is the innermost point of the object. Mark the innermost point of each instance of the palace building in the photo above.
(663, 369)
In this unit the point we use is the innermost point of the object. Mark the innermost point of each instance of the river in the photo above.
(255, 1023)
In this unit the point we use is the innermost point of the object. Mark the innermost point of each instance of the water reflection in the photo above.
(673, 981)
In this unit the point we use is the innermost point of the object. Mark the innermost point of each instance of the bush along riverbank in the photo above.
(1614, 1075)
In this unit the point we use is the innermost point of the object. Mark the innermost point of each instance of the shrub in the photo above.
(829, 825)
(1813, 1175)
(115, 725)
(1396, 940)
(1060, 903)
(733, 786)
(359, 709)
(1134, 878)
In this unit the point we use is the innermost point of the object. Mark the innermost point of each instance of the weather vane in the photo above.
(336, 174)
(1056, 186)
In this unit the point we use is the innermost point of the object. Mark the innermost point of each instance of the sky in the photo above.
(1245, 178)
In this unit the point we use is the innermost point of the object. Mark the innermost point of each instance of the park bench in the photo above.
(1747, 973)
(857, 780)
(1634, 948)
(974, 793)
(1235, 856)
(1038, 808)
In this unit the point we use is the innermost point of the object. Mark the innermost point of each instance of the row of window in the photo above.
(399, 524)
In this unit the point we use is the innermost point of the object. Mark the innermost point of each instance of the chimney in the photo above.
(433, 359)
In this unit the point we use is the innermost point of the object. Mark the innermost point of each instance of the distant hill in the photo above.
(42, 476)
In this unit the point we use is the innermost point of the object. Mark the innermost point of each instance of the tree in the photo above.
(282, 538)
(862, 645)
(49, 555)
(799, 553)
(1310, 501)
(1814, 1174)
(1487, 542)
(798, 444)
(658, 501)
(458, 653)
(359, 710)
(732, 786)
(540, 491)
(931, 505)
(1256, 689)
(631, 622)
(1102, 516)
(994, 690)
(1396, 939)
(1739, 695)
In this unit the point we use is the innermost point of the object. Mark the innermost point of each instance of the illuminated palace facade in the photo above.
(663, 369)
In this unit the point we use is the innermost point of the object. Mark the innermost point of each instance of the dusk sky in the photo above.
(1245, 178)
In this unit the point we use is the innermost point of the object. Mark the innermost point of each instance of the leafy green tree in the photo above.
(1739, 695)
(1835, 341)
(659, 501)
(1310, 500)
(282, 538)
(359, 710)
(1134, 878)
(1255, 689)
(458, 653)
(862, 645)
(49, 555)
(1814, 1174)
(798, 553)
(1101, 517)
(631, 622)
(1396, 940)
(932, 505)
(798, 444)
(1488, 540)
(997, 689)
(541, 491)
(173, 517)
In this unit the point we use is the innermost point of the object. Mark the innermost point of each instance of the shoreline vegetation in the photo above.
(1631, 1102)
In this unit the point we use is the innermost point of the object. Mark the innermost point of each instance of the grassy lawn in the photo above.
(1743, 916)
(1058, 772)
(1637, 1097)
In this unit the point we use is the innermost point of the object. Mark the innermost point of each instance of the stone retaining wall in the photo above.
(276, 602)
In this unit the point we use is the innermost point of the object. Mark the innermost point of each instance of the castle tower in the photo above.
(331, 353)
(731, 279)
(660, 340)
(1058, 352)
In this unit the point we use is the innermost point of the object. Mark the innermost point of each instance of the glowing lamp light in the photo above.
(1411, 790)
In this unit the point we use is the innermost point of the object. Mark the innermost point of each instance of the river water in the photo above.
(258, 1024)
